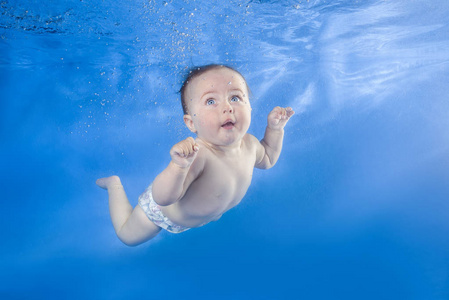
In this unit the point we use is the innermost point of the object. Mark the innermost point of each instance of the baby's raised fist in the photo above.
(279, 116)
(184, 153)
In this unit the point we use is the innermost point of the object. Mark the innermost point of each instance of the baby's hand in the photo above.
(279, 116)
(184, 153)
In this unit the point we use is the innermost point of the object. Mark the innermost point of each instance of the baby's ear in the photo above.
(189, 123)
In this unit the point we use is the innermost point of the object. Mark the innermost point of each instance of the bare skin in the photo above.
(208, 175)
(131, 226)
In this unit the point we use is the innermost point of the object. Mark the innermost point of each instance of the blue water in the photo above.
(356, 208)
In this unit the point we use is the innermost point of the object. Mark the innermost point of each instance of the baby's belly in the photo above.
(196, 212)
(208, 197)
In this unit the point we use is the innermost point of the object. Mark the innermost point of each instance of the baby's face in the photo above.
(218, 107)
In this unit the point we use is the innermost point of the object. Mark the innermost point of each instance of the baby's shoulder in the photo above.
(250, 137)
(251, 141)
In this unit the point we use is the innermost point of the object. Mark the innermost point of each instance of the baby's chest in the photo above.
(222, 185)
(227, 176)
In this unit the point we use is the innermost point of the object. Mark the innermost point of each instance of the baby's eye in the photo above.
(235, 99)
(210, 102)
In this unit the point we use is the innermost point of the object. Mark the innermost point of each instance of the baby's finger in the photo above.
(181, 149)
(192, 145)
(176, 150)
(276, 112)
(187, 147)
(283, 113)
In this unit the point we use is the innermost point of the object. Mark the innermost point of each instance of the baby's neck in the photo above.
(223, 150)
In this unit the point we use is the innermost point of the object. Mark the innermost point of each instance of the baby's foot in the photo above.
(108, 182)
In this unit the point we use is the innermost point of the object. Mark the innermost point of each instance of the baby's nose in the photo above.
(228, 108)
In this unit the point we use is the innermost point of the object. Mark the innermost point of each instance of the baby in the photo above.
(208, 175)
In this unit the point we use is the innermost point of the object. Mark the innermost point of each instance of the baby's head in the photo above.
(216, 104)
(198, 71)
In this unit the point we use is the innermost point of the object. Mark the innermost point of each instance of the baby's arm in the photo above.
(171, 184)
(271, 145)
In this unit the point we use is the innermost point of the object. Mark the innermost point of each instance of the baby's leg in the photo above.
(131, 226)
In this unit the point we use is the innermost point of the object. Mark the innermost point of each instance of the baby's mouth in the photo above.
(228, 124)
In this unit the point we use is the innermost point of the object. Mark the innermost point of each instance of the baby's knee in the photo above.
(127, 240)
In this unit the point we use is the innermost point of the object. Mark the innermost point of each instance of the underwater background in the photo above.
(357, 206)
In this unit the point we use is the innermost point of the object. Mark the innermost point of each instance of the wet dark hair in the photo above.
(197, 71)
